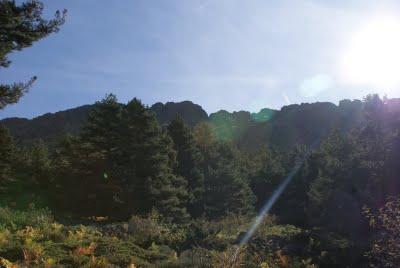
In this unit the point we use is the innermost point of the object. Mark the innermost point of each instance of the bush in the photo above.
(146, 231)
(32, 238)
(15, 219)
(196, 257)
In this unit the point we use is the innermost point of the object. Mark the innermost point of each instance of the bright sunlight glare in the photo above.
(373, 57)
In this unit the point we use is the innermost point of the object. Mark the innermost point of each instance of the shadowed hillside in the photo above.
(293, 125)
(301, 124)
(190, 112)
(51, 126)
(48, 127)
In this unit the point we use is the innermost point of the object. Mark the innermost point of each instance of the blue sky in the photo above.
(233, 55)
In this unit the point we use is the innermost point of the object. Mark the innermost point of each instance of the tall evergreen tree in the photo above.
(188, 164)
(226, 187)
(226, 190)
(39, 164)
(204, 136)
(86, 166)
(148, 158)
(6, 156)
(266, 173)
(121, 163)
(373, 149)
(20, 26)
(336, 194)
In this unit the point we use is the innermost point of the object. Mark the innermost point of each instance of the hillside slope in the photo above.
(51, 126)
(292, 125)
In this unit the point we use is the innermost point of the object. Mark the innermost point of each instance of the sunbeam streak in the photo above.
(270, 202)
(274, 197)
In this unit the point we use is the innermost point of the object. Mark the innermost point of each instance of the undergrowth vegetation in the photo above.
(127, 192)
(32, 238)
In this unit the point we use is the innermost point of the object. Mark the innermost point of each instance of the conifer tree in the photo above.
(226, 185)
(85, 166)
(204, 136)
(372, 150)
(335, 193)
(121, 163)
(6, 157)
(20, 26)
(148, 158)
(39, 164)
(267, 172)
(97, 151)
(188, 164)
(226, 190)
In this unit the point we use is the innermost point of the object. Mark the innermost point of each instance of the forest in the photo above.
(127, 185)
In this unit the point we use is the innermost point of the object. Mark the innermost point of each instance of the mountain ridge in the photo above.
(290, 126)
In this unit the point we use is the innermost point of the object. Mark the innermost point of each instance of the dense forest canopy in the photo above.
(122, 162)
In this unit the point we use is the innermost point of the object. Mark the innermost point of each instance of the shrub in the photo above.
(196, 257)
(15, 219)
(144, 230)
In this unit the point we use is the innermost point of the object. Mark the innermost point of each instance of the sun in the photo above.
(373, 56)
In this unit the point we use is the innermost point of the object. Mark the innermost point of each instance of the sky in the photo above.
(221, 54)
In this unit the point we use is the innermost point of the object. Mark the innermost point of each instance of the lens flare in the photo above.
(274, 197)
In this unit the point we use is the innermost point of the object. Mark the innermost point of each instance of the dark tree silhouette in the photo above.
(20, 26)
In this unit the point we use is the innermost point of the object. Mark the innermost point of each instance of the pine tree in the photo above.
(336, 194)
(39, 164)
(373, 149)
(6, 157)
(188, 164)
(103, 125)
(203, 136)
(121, 163)
(267, 172)
(148, 158)
(67, 192)
(20, 26)
(226, 191)
(226, 183)
(85, 166)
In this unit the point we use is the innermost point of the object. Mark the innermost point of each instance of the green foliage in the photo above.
(335, 191)
(20, 26)
(385, 247)
(6, 157)
(80, 163)
(226, 179)
(152, 229)
(16, 219)
(227, 191)
(188, 164)
(230, 126)
(149, 159)
(193, 192)
(263, 115)
(39, 164)
(33, 238)
(267, 170)
(203, 136)
(196, 257)
(122, 163)
(10, 94)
